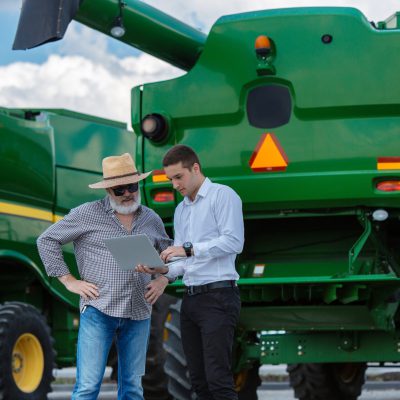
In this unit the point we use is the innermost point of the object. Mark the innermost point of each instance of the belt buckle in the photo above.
(190, 290)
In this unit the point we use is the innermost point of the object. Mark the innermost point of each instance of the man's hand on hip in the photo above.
(87, 290)
(155, 289)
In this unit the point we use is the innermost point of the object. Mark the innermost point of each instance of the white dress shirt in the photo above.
(213, 223)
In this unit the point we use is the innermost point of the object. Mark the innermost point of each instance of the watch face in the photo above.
(187, 246)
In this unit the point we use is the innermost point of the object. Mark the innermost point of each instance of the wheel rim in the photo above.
(347, 372)
(27, 363)
(240, 380)
(165, 331)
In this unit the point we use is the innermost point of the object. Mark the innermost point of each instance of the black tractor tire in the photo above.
(27, 356)
(335, 381)
(175, 367)
(179, 385)
(155, 382)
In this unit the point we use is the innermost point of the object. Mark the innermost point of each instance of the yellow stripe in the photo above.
(160, 178)
(29, 212)
(389, 165)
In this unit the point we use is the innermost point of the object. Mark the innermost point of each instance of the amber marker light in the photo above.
(388, 163)
(262, 45)
(159, 176)
(388, 186)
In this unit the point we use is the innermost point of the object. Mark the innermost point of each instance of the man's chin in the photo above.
(126, 209)
(125, 206)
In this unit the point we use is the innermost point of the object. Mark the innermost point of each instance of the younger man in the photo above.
(209, 231)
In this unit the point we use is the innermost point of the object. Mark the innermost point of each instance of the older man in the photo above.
(112, 301)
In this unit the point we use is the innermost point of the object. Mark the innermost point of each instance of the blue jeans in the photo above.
(96, 333)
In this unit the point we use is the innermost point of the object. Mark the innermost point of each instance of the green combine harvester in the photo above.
(298, 110)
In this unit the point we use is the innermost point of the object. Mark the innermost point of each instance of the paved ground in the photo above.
(109, 393)
(265, 370)
(374, 389)
(367, 395)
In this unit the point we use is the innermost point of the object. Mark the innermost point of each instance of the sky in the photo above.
(91, 73)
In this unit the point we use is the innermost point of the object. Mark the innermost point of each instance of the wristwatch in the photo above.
(187, 246)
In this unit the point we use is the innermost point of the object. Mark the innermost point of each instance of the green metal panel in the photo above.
(27, 167)
(76, 135)
(337, 128)
(71, 136)
(65, 323)
(310, 317)
(48, 157)
(329, 347)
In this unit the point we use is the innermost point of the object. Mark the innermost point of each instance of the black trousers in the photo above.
(208, 322)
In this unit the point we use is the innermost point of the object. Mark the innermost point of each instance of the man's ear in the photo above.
(196, 168)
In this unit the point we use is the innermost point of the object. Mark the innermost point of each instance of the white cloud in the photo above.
(87, 77)
(81, 40)
(80, 84)
(9, 5)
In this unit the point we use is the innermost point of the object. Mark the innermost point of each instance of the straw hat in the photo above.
(119, 170)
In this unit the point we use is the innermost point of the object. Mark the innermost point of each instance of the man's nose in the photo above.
(125, 194)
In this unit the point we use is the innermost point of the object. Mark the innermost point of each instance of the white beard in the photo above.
(120, 209)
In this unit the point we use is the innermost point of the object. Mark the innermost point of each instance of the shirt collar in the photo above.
(204, 188)
(106, 204)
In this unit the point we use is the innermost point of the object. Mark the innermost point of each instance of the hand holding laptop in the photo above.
(151, 270)
(157, 270)
(169, 255)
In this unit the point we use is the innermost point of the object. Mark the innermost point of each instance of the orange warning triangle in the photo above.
(268, 155)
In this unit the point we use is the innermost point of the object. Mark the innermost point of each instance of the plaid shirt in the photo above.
(121, 292)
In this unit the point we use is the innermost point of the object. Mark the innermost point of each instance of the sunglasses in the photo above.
(120, 190)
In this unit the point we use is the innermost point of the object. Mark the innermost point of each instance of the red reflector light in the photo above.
(388, 186)
(163, 197)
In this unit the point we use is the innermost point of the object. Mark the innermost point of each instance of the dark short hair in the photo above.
(181, 153)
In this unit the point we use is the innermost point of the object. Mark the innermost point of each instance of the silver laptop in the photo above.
(129, 251)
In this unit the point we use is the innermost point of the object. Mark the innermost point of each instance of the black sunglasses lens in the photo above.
(131, 188)
(119, 191)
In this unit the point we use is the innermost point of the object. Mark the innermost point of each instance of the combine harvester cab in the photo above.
(48, 157)
(288, 108)
(298, 111)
